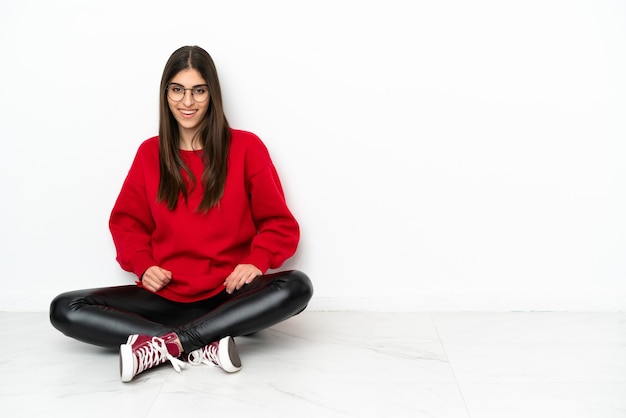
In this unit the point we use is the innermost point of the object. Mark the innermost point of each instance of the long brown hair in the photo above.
(213, 134)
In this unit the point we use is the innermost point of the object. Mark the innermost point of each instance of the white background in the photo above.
(439, 155)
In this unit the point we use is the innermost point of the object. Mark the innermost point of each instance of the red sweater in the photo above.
(251, 225)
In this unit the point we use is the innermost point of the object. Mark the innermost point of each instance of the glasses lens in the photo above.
(175, 92)
(200, 93)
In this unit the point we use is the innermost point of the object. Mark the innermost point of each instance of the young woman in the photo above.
(200, 218)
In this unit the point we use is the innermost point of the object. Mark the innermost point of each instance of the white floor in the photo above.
(340, 364)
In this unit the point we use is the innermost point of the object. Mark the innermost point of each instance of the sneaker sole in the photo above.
(229, 356)
(127, 369)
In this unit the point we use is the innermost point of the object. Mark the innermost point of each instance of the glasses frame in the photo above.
(167, 92)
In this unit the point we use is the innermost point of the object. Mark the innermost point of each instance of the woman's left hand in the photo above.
(242, 274)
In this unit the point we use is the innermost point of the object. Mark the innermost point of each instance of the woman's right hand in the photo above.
(156, 278)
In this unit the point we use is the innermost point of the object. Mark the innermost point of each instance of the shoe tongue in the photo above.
(170, 344)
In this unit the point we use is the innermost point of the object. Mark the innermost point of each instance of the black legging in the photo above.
(107, 316)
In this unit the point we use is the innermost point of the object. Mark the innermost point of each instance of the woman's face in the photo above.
(188, 112)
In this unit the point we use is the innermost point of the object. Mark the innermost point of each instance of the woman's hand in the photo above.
(242, 274)
(156, 278)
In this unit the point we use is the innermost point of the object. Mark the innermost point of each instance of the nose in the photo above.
(188, 99)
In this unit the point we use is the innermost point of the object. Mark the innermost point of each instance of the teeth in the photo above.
(188, 112)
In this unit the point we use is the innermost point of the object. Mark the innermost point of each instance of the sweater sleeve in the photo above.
(131, 222)
(278, 232)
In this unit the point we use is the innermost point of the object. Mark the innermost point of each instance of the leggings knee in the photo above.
(298, 287)
(301, 286)
(61, 308)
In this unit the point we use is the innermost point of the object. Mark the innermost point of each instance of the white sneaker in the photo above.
(142, 352)
(222, 353)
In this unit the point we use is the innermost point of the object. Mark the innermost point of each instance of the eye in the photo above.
(200, 90)
(176, 89)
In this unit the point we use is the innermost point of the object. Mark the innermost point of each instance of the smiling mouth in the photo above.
(187, 113)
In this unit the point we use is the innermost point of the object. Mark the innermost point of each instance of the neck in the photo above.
(189, 141)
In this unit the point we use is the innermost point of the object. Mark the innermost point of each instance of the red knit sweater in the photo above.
(251, 225)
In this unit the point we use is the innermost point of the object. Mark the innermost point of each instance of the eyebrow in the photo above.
(192, 87)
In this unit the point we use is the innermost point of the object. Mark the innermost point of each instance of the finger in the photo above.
(246, 279)
(241, 275)
(148, 284)
(240, 283)
(164, 280)
(162, 277)
(237, 282)
(155, 280)
(230, 283)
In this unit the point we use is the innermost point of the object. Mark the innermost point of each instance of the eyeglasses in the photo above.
(176, 92)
